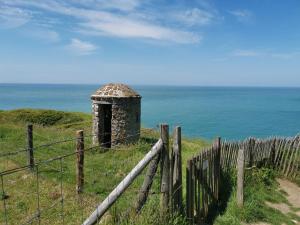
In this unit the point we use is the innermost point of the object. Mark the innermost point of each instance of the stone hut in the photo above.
(116, 115)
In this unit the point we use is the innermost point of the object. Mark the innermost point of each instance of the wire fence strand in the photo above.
(62, 161)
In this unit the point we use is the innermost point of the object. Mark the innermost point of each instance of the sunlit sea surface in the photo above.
(229, 112)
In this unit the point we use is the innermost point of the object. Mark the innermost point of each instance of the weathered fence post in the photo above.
(218, 166)
(189, 192)
(30, 146)
(80, 161)
(251, 151)
(165, 172)
(240, 177)
(176, 182)
(144, 191)
(272, 154)
(123, 185)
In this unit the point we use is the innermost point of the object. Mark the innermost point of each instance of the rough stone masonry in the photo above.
(116, 115)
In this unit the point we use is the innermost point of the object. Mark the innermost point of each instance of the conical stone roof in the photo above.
(114, 90)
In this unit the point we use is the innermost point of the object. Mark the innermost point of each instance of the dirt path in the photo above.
(293, 197)
(293, 192)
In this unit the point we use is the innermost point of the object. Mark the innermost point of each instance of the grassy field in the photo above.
(260, 187)
(103, 171)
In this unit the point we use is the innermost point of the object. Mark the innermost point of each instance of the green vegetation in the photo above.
(261, 187)
(44, 117)
(103, 171)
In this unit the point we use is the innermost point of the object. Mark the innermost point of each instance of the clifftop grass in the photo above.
(103, 170)
(260, 187)
(43, 117)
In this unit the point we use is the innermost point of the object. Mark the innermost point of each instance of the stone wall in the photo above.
(98, 124)
(125, 123)
(95, 128)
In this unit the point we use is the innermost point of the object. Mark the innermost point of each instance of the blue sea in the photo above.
(229, 112)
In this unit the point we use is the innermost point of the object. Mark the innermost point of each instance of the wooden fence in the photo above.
(169, 160)
(283, 154)
(170, 184)
(203, 183)
(203, 171)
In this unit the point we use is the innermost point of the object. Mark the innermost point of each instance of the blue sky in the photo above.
(191, 42)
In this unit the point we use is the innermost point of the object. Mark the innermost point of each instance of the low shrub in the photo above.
(42, 117)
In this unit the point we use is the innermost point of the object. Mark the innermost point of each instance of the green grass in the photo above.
(260, 186)
(43, 117)
(103, 170)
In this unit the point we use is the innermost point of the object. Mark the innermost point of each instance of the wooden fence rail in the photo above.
(123, 185)
(203, 171)
(170, 183)
(159, 154)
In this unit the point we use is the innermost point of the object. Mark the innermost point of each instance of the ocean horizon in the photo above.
(233, 113)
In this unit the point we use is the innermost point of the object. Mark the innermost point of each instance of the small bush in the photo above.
(43, 117)
(264, 176)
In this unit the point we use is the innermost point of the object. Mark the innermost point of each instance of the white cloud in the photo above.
(81, 47)
(12, 17)
(263, 53)
(122, 5)
(194, 17)
(106, 23)
(134, 29)
(243, 15)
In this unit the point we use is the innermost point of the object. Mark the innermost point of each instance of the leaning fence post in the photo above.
(30, 146)
(148, 180)
(240, 177)
(165, 171)
(80, 161)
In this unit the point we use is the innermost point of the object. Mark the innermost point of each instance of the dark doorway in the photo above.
(107, 125)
